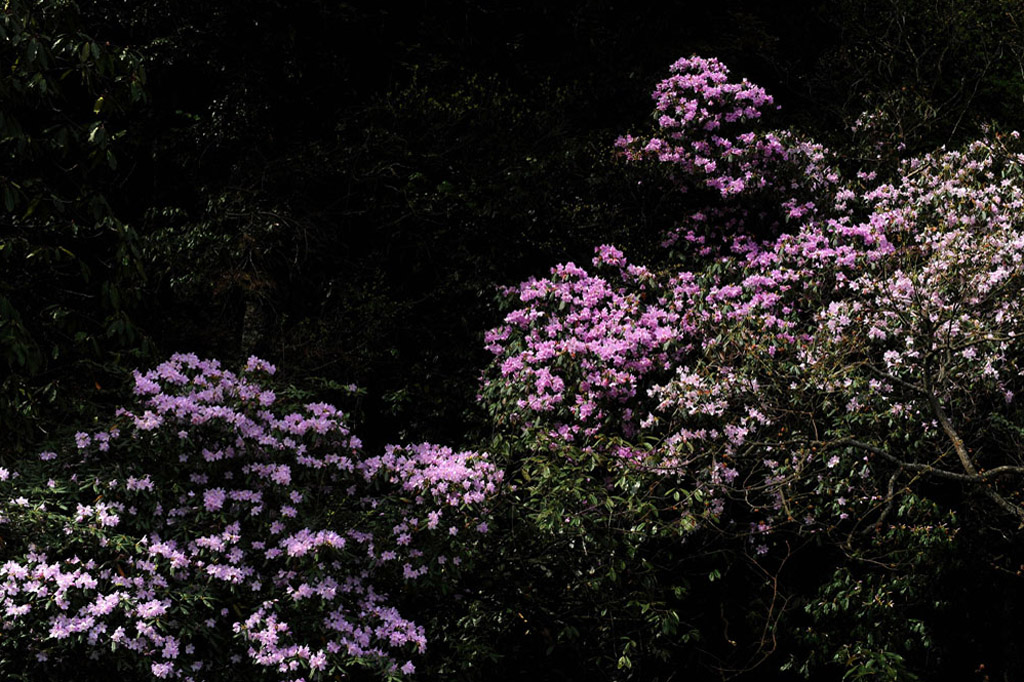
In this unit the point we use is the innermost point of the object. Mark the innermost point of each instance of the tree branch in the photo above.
(965, 460)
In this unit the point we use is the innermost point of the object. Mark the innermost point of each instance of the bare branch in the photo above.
(954, 437)
(912, 466)
(965, 460)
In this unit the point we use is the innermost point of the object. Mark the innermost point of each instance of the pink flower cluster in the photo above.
(704, 131)
(203, 516)
(875, 303)
(435, 474)
(587, 342)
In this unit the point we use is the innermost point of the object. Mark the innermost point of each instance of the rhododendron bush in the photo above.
(203, 536)
(814, 353)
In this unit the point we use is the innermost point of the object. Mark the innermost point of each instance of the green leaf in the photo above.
(97, 133)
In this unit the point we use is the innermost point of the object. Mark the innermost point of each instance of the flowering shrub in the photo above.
(795, 372)
(202, 536)
(710, 134)
(702, 117)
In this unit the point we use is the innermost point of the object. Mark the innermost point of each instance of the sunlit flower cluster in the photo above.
(766, 360)
(206, 531)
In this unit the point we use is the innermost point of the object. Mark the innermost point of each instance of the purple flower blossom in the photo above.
(213, 499)
(162, 670)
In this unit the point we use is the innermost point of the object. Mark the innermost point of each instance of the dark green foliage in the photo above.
(930, 72)
(71, 266)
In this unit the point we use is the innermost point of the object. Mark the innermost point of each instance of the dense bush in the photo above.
(827, 370)
(199, 535)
